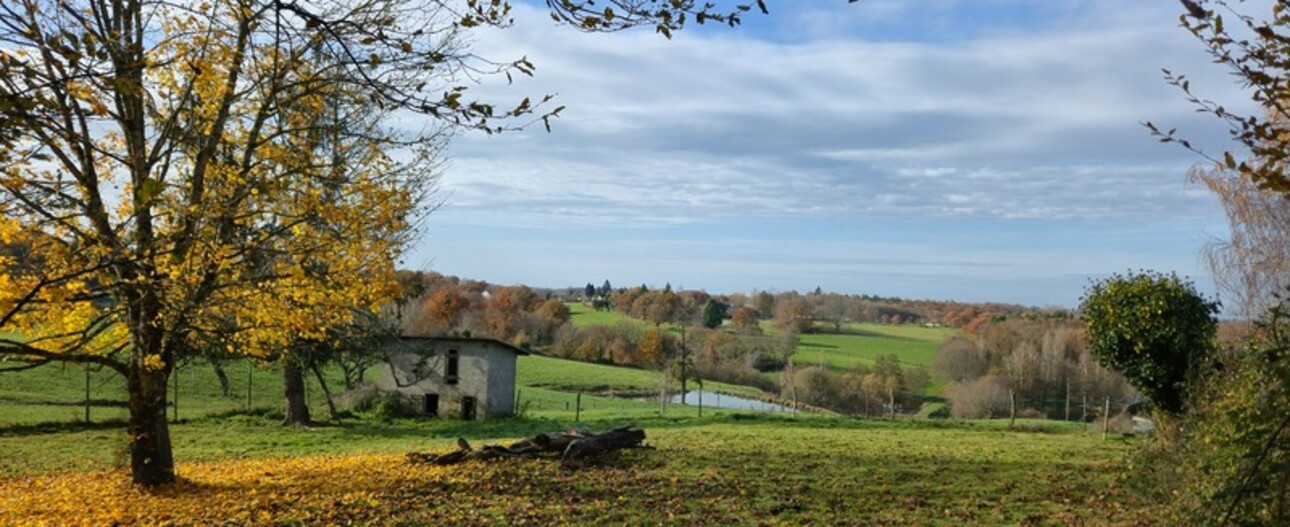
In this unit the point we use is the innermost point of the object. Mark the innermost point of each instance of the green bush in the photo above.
(1231, 465)
(1238, 444)
(375, 403)
(1153, 328)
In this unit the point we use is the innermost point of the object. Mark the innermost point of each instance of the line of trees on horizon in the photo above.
(817, 310)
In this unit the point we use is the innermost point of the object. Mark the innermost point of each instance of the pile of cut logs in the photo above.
(571, 445)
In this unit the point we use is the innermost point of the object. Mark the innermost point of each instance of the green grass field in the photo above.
(583, 316)
(572, 376)
(719, 469)
(862, 343)
(857, 343)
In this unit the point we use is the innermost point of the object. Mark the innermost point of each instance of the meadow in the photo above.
(863, 343)
(855, 344)
(573, 376)
(582, 316)
(238, 465)
(724, 468)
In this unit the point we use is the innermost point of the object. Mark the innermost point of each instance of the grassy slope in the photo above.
(858, 343)
(569, 375)
(862, 343)
(718, 470)
(583, 316)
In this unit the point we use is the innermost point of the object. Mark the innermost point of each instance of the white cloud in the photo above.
(846, 119)
(723, 125)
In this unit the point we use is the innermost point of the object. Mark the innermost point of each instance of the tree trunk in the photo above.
(891, 403)
(332, 414)
(293, 383)
(350, 376)
(223, 378)
(152, 462)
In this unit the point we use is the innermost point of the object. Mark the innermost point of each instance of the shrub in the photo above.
(1153, 328)
(374, 402)
(981, 398)
(1237, 449)
(767, 363)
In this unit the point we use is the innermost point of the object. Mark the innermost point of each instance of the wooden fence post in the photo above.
(662, 400)
(891, 403)
(175, 374)
(700, 397)
(1106, 419)
(249, 368)
(87, 395)
(577, 412)
(1012, 408)
(1068, 399)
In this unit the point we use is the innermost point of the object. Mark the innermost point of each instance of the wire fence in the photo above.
(73, 394)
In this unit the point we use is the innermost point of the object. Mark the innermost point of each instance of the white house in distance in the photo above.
(462, 377)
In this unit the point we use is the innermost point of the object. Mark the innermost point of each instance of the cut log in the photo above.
(569, 446)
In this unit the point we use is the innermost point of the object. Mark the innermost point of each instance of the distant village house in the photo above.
(454, 377)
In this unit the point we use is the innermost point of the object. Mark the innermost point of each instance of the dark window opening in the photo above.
(450, 374)
(468, 408)
(432, 404)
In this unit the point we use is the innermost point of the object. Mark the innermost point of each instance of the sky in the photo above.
(983, 150)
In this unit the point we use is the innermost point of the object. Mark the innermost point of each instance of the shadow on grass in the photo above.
(96, 403)
(60, 427)
(865, 333)
(526, 427)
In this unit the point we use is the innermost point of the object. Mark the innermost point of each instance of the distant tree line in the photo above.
(814, 311)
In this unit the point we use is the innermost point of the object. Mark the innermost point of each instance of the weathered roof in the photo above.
(498, 343)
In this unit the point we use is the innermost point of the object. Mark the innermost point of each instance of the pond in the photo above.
(727, 401)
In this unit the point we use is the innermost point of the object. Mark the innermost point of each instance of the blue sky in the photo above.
(985, 150)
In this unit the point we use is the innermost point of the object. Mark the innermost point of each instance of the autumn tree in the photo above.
(1252, 265)
(745, 320)
(834, 308)
(159, 168)
(959, 360)
(652, 347)
(793, 314)
(658, 307)
(554, 310)
(442, 310)
(1253, 47)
